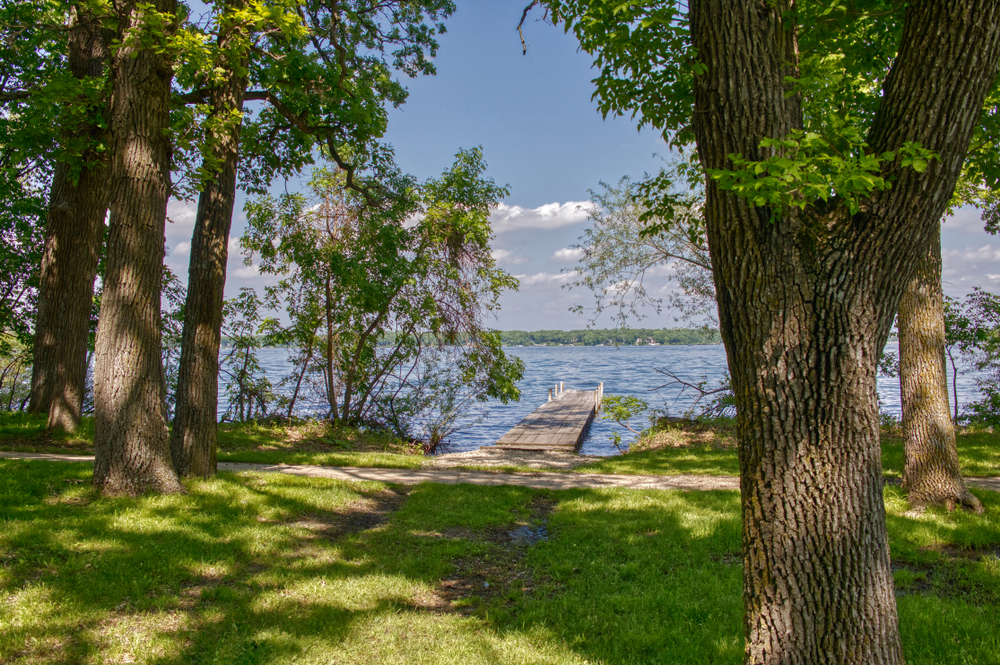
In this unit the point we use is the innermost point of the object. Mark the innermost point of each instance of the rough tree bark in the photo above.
(193, 438)
(806, 301)
(931, 474)
(78, 202)
(131, 446)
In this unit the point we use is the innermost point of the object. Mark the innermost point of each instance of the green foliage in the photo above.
(172, 297)
(15, 373)
(643, 53)
(646, 70)
(973, 328)
(327, 73)
(621, 409)
(22, 218)
(805, 167)
(622, 243)
(248, 391)
(27, 148)
(349, 274)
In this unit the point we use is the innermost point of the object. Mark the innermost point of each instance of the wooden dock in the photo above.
(558, 424)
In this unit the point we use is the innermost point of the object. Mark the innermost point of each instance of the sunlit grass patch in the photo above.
(702, 448)
(978, 453)
(700, 451)
(700, 460)
(27, 432)
(314, 442)
(306, 442)
(308, 436)
(947, 574)
(663, 564)
(372, 459)
(268, 568)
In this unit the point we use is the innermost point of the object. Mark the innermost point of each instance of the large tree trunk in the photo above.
(931, 474)
(131, 446)
(193, 438)
(78, 202)
(806, 300)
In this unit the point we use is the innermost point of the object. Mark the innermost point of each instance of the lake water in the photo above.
(626, 370)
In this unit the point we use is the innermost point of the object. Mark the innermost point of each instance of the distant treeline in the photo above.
(629, 337)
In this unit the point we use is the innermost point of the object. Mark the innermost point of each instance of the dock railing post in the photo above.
(561, 389)
(550, 394)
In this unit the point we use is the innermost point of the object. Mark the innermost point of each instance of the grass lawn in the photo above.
(711, 451)
(701, 449)
(266, 568)
(308, 443)
(978, 453)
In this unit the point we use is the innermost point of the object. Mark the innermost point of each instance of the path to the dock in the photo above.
(542, 480)
(558, 424)
(555, 481)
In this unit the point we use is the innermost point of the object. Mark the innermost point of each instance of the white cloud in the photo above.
(182, 249)
(965, 220)
(966, 267)
(567, 255)
(506, 257)
(971, 255)
(549, 216)
(181, 215)
(247, 271)
(546, 278)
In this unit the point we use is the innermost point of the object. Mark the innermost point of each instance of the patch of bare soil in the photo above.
(47, 442)
(687, 435)
(946, 579)
(971, 554)
(367, 513)
(479, 580)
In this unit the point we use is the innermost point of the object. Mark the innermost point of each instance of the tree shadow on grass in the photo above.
(644, 577)
(265, 568)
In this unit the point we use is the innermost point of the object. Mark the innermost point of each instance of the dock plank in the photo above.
(559, 424)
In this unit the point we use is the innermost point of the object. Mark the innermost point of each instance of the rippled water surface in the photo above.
(626, 370)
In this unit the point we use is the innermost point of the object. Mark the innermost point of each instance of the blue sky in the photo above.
(543, 137)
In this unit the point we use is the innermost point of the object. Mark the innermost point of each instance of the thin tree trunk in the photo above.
(932, 474)
(299, 378)
(806, 300)
(193, 438)
(131, 445)
(78, 202)
(245, 398)
(331, 393)
(954, 386)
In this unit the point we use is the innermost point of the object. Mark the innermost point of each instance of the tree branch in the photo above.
(15, 95)
(524, 14)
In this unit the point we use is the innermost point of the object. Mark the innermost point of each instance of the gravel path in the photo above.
(448, 476)
(486, 456)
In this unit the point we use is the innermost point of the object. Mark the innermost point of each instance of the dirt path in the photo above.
(540, 480)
